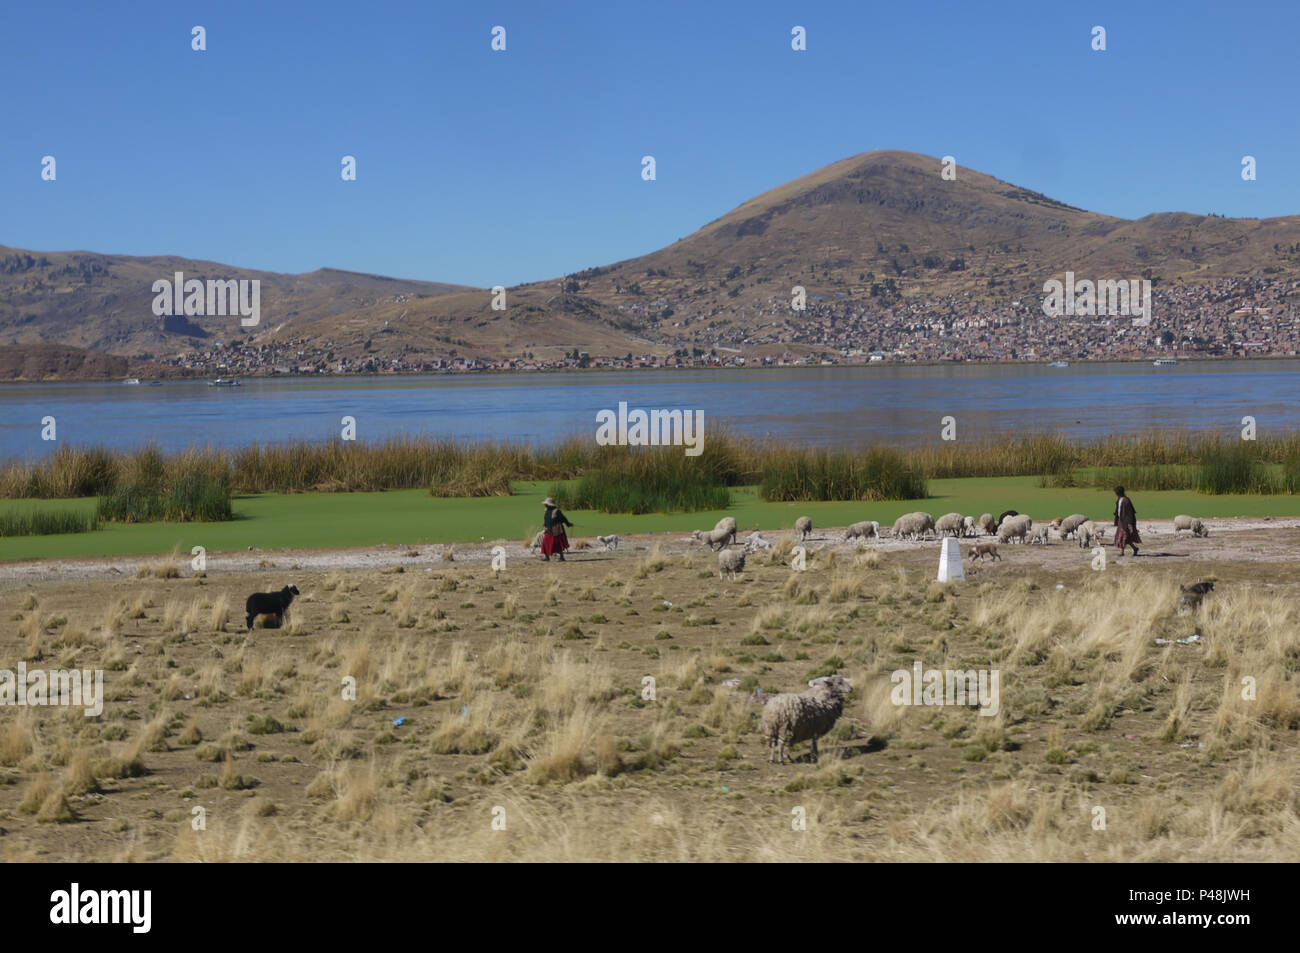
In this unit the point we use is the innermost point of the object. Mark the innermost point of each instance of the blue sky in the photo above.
(497, 168)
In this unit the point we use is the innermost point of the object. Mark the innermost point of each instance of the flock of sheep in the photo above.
(1009, 527)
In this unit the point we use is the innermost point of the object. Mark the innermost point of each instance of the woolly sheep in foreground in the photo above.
(1071, 524)
(949, 524)
(720, 535)
(732, 561)
(803, 526)
(1014, 527)
(865, 529)
(1184, 524)
(968, 527)
(1085, 536)
(789, 718)
(988, 524)
(913, 525)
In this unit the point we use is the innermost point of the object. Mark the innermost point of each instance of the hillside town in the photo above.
(1234, 317)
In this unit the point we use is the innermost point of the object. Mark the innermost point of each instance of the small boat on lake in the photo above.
(131, 380)
(224, 382)
(1059, 364)
(1164, 362)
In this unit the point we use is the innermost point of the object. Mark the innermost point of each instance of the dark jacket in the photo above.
(1125, 513)
(554, 521)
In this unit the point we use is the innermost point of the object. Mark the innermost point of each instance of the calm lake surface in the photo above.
(817, 405)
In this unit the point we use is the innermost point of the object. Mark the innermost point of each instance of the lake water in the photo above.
(818, 405)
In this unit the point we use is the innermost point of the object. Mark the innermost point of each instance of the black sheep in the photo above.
(269, 603)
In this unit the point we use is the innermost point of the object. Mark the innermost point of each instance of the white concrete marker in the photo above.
(950, 567)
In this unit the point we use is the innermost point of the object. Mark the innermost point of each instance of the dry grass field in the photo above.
(522, 695)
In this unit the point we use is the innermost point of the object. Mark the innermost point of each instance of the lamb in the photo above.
(1016, 527)
(609, 542)
(968, 527)
(980, 550)
(950, 524)
(1071, 524)
(1039, 534)
(537, 540)
(988, 524)
(865, 529)
(732, 561)
(1099, 531)
(1086, 536)
(755, 542)
(720, 536)
(1183, 524)
(913, 525)
(789, 718)
(269, 603)
(803, 526)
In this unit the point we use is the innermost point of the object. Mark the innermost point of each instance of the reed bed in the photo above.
(1176, 460)
(46, 522)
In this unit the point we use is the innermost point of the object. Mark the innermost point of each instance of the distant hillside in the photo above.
(877, 229)
(40, 362)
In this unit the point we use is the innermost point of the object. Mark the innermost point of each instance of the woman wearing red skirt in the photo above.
(1126, 526)
(554, 539)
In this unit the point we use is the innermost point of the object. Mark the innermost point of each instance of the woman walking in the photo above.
(1126, 526)
(554, 539)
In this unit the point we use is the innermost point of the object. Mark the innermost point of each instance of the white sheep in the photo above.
(755, 542)
(1039, 534)
(1014, 527)
(950, 524)
(988, 524)
(803, 526)
(1184, 524)
(732, 561)
(1099, 531)
(609, 542)
(913, 525)
(968, 527)
(865, 529)
(1071, 524)
(537, 540)
(1085, 536)
(789, 718)
(720, 536)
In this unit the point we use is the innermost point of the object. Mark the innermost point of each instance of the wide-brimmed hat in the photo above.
(548, 502)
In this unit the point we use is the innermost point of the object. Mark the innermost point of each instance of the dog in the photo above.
(269, 603)
(980, 550)
(1192, 595)
(609, 542)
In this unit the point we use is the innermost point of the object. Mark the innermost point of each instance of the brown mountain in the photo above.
(877, 228)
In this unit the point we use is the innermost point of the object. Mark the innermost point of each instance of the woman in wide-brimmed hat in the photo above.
(554, 539)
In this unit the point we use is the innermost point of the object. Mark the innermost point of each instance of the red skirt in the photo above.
(1125, 536)
(554, 543)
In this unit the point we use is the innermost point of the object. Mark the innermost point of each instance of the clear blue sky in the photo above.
(497, 168)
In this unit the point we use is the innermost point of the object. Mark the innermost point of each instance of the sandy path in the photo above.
(1246, 539)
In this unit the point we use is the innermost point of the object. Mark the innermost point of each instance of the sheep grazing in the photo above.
(968, 527)
(1185, 524)
(1099, 531)
(1039, 534)
(866, 529)
(1056, 523)
(1071, 524)
(1005, 514)
(732, 561)
(609, 542)
(789, 718)
(988, 524)
(803, 526)
(755, 543)
(980, 550)
(1014, 528)
(913, 525)
(720, 536)
(950, 524)
(1191, 597)
(1086, 536)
